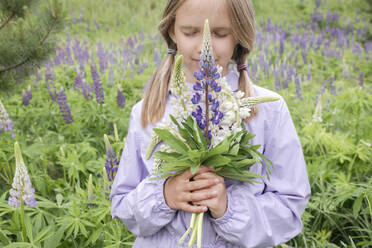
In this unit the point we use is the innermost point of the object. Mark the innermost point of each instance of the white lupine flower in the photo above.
(317, 116)
(21, 186)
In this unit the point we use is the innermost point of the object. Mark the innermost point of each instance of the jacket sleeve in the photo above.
(274, 216)
(135, 199)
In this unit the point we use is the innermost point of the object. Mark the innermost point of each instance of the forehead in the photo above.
(194, 12)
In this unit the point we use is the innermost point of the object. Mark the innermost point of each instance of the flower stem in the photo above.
(194, 231)
(206, 114)
(191, 227)
(199, 227)
(23, 218)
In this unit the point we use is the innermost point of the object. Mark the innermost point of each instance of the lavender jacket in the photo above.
(258, 215)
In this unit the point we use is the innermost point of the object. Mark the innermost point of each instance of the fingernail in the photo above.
(205, 209)
(216, 180)
(214, 192)
(211, 167)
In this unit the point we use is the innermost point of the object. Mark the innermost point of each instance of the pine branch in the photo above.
(8, 20)
(27, 59)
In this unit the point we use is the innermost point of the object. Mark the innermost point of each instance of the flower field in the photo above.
(71, 117)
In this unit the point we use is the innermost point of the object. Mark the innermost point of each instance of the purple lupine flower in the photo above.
(97, 84)
(361, 80)
(120, 98)
(196, 98)
(335, 17)
(317, 17)
(298, 87)
(130, 43)
(102, 57)
(206, 77)
(6, 124)
(142, 68)
(26, 97)
(49, 82)
(78, 81)
(281, 46)
(111, 162)
(64, 107)
(157, 58)
(86, 90)
(317, 3)
(21, 187)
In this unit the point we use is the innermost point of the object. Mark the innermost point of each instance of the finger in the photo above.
(193, 209)
(201, 184)
(203, 169)
(200, 195)
(187, 174)
(206, 203)
(208, 175)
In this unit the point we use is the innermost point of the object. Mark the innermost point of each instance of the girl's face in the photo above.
(188, 33)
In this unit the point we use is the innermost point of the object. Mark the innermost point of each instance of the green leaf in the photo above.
(185, 134)
(173, 142)
(222, 147)
(194, 169)
(167, 156)
(53, 241)
(216, 160)
(29, 228)
(44, 234)
(243, 163)
(182, 164)
(94, 236)
(19, 245)
(357, 205)
(199, 135)
(234, 149)
(4, 238)
(246, 138)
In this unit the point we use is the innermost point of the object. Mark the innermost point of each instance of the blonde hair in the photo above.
(244, 30)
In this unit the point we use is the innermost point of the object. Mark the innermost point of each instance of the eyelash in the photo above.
(217, 35)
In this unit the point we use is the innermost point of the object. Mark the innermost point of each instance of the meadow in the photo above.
(316, 54)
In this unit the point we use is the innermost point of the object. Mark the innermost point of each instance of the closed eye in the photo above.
(190, 33)
(220, 35)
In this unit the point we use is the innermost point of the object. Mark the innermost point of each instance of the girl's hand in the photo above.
(179, 190)
(218, 204)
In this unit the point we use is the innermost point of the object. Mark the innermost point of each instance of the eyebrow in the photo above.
(216, 29)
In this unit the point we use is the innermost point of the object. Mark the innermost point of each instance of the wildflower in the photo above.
(6, 124)
(26, 97)
(120, 98)
(317, 116)
(90, 191)
(22, 191)
(207, 76)
(97, 84)
(78, 82)
(111, 164)
(49, 83)
(63, 106)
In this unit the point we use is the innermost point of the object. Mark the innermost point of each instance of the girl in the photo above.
(239, 215)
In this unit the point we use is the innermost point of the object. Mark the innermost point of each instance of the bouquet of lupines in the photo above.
(208, 130)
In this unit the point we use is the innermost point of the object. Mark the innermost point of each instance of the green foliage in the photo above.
(231, 158)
